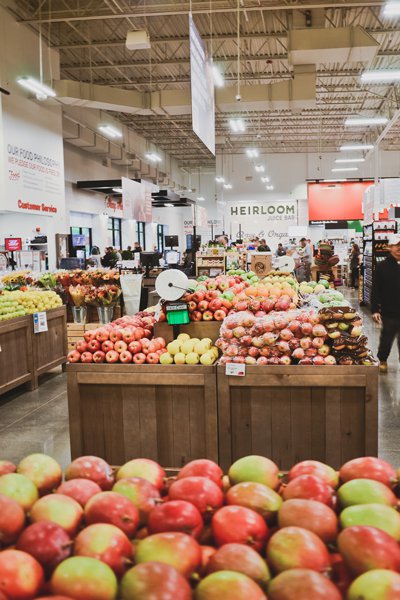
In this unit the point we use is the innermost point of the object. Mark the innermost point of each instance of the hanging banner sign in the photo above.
(202, 82)
(268, 220)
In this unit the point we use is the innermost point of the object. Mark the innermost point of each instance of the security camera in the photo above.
(238, 97)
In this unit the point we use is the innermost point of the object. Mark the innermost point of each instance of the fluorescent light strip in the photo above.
(342, 169)
(110, 131)
(259, 168)
(264, 179)
(361, 121)
(356, 147)
(168, 205)
(219, 80)
(237, 125)
(228, 186)
(117, 190)
(41, 90)
(153, 157)
(219, 179)
(392, 9)
(350, 160)
(252, 152)
(381, 76)
(333, 180)
(269, 188)
(200, 199)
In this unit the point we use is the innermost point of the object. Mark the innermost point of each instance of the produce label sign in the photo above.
(268, 220)
(40, 322)
(235, 370)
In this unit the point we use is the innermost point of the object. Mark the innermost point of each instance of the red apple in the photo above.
(81, 346)
(90, 335)
(93, 346)
(73, 356)
(47, 542)
(99, 357)
(208, 315)
(318, 360)
(154, 580)
(258, 497)
(115, 335)
(176, 515)
(59, 509)
(309, 487)
(84, 578)
(80, 490)
(128, 336)
(91, 467)
(202, 467)
(202, 305)
(120, 346)
(115, 509)
(229, 584)
(21, 576)
(87, 357)
(135, 347)
(143, 494)
(262, 360)
(125, 356)
(139, 358)
(176, 549)
(107, 346)
(366, 548)
(324, 350)
(241, 525)
(316, 468)
(112, 356)
(12, 520)
(7, 467)
(297, 548)
(101, 335)
(306, 329)
(153, 358)
(106, 543)
(143, 467)
(200, 491)
(219, 315)
(368, 467)
(305, 343)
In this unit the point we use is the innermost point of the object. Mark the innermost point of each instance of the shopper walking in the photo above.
(355, 265)
(263, 246)
(385, 300)
(94, 260)
(305, 253)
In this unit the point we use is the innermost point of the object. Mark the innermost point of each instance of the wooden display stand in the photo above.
(196, 329)
(294, 413)
(25, 355)
(16, 353)
(75, 332)
(164, 412)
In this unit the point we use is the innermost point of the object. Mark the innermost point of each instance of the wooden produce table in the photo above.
(196, 329)
(164, 412)
(294, 413)
(25, 355)
(16, 353)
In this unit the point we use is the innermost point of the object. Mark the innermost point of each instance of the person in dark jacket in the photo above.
(385, 300)
(355, 265)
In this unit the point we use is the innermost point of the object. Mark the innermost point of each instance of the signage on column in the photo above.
(202, 83)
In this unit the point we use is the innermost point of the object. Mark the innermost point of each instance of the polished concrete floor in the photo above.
(38, 421)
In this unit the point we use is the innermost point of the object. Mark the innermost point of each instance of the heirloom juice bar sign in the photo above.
(269, 220)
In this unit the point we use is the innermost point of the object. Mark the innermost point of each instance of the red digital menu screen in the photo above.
(13, 244)
(340, 201)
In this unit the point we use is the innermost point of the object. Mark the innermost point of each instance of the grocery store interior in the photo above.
(200, 276)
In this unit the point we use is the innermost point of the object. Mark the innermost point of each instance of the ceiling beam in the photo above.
(202, 8)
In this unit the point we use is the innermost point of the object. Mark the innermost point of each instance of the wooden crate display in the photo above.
(50, 347)
(164, 412)
(196, 329)
(16, 353)
(294, 413)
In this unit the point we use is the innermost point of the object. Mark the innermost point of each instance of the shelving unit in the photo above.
(374, 251)
(210, 262)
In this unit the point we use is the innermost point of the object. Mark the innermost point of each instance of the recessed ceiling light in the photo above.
(351, 147)
(220, 179)
(260, 168)
(361, 121)
(391, 8)
(265, 179)
(219, 80)
(110, 131)
(252, 152)
(340, 169)
(380, 76)
(41, 91)
(350, 160)
(237, 125)
(228, 186)
(153, 157)
(269, 188)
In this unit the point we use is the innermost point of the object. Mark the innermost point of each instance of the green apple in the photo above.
(379, 584)
(20, 488)
(375, 515)
(166, 359)
(83, 577)
(254, 468)
(365, 491)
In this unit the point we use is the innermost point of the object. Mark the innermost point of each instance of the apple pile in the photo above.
(134, 534)
(281, 338)
(345, 331)
(190, 351)
(126, 340)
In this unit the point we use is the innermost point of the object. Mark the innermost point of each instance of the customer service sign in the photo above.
(269, 220)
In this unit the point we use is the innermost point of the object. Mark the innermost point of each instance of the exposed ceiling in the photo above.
(90, 36)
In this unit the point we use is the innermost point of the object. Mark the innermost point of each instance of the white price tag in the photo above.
(235, 369)
(40, 322)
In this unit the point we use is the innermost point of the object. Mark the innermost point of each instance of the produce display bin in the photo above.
(16, 353)
(164, 412)
(294, 413)
(50, 347)
(75, 332)
(196, 329)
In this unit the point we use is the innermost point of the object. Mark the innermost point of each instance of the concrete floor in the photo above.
(38, 421)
